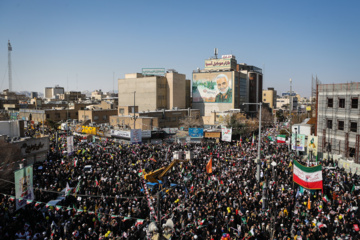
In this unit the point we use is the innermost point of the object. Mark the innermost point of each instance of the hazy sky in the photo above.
(84, 45)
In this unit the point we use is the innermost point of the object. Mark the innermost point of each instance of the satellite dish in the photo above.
(152, 227)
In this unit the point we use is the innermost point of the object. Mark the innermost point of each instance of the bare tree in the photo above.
(266, 117)
(189, 122)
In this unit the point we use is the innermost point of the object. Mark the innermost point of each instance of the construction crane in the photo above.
(158, 174)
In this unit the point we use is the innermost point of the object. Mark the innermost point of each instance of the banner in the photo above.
(196, 132)
(135, 136)
(70, 144)
(226, 134)
(23, 186)
(213, 87)
(300, 144)
(312, 147)
(308, 177)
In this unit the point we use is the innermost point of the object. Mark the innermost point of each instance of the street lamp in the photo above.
(296, 141)
(134, 110)
(259, 141)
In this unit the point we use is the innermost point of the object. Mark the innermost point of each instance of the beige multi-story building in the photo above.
(153, 92)
(270, 96)
(97, 95)
(72, 96)
(55, 115)
(148, 120)
(224, 85)
(96, 115)
(53, 92)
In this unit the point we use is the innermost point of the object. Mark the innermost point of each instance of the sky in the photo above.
(88, 45)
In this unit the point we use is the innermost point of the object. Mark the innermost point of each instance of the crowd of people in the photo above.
(112, 200)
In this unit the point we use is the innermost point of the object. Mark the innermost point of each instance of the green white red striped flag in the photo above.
(281, 139)
(326, 199)
(308, 177)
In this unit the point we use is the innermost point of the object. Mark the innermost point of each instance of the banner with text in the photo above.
(226, 134)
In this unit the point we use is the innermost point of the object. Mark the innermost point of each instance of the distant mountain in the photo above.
(87, 93)
(28, 94)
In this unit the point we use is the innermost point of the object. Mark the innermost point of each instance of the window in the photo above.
(96, 117)
(354, 103)
(353, 126)
(264, 94)
(174, 119)
(341, 125)
(104, 117)
(121, 110)
(264, 99)
(329, 124)
(341, 102)
(330, 102)
(351, 152)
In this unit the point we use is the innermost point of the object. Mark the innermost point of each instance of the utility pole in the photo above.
(290, 110)
(134, 110)
(259, 142)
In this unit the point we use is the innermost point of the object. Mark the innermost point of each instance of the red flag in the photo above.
(356, 227)
(209, 166)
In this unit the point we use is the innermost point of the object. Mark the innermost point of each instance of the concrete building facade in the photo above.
(96, 115)
(223, 85)
(154, 92)
(152, 119)
(53, 92)
(270, 96)
(338, 118)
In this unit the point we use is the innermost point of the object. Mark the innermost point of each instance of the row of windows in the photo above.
(341, 125)
(354, 102)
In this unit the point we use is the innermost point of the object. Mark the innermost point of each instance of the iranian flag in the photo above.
(308, 177)
(139, 222)
(326, 199)
(281, 139)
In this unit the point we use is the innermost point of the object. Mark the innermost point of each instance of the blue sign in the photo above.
(196, 132)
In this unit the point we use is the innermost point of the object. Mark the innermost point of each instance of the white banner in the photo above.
(226, 134)
(70, 144)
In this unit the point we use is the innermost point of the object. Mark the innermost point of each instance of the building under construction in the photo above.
(338, 114)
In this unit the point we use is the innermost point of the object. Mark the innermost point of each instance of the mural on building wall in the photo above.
(212, 87)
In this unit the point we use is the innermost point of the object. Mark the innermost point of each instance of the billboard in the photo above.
(135, 136)
(300, 146)
(222, 63)
(23, 186)
(226, 134)
(196, 132)
(212, 87)
(212, 134)
(312, 147)
(153, 71)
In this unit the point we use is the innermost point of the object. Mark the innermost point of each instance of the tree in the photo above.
(240, 124)
(266, 117)
(190, 122)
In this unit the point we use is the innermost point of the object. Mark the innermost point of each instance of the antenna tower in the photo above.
(9, 65)
(215, 52)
